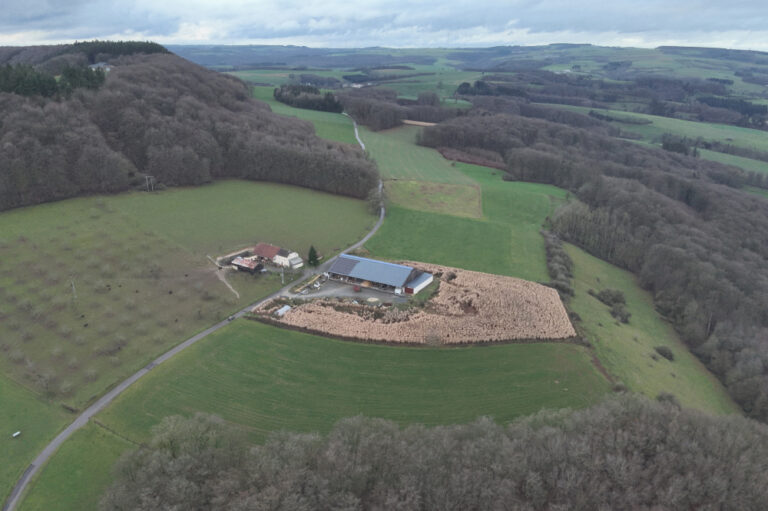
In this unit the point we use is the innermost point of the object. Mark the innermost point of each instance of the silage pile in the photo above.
(469, 307)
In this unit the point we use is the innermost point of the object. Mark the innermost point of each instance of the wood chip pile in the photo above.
(469, 307)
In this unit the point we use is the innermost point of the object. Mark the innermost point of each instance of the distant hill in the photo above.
(159, 115)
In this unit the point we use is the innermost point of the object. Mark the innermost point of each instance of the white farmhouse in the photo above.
(288, 259)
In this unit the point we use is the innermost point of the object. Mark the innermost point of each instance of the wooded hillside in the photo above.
(163, 116)
(626, 453)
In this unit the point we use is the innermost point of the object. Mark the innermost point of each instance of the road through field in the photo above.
(107, 398)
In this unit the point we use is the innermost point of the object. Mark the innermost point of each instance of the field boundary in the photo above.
(575, 340)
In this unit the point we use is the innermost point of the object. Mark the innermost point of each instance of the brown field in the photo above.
(469, 307)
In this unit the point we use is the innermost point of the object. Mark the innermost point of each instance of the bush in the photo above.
(665, 352)
(620, 312)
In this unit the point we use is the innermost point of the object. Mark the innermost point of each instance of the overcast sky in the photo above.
(396, 23)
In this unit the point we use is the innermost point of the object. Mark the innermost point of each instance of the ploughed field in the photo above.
(468, 307)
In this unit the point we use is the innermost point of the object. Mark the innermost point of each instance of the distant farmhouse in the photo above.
(252, 260)
(390, 277)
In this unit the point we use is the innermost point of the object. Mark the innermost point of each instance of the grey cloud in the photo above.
(386, 22)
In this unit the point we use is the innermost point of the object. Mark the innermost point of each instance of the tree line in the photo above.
(696, 242)
(25, 80)
(625, 453)
(380, 108)
(163, 116)
(702, 99)
(307, 96)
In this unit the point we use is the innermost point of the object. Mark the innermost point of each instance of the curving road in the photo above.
(107, 398)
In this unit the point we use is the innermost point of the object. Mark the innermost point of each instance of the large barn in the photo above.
(394, 278)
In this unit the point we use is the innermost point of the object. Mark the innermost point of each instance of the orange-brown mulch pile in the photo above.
(469, 307)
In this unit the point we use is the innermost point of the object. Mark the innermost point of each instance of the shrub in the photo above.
(620, 312)
(665, 352)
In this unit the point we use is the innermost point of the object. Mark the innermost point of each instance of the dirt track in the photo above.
(470, 307)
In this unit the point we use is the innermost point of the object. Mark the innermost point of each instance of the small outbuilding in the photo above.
(418, 283)
(250, 265)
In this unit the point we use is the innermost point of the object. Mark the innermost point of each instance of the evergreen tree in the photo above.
(312, 257)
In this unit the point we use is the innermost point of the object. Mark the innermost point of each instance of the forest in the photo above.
(162, 116)
(653, 94)
(624, 453)
(681, 224)
(307, 96)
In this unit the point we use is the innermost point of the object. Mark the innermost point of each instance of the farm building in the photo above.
(250, 265)
(394, 278)
(288, 259)
(265, 252)
(280, 256)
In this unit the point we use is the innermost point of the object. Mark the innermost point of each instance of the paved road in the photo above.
(107, 398)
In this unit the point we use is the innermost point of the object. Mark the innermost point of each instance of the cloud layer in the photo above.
(737, 24)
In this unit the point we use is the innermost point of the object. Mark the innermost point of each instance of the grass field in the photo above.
(398, 157)
(505, 241)
(735, 135)
(269, 379)
(747, 164)
(78, 474)
(757, 191)
(238, 213)
(625, 349)
(38, 421)
(449, 199)
(328, 125)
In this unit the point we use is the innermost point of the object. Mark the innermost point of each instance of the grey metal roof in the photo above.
(370, 269)
(419, 279)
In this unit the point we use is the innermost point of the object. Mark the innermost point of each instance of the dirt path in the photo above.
(49, 450)
(221, 275)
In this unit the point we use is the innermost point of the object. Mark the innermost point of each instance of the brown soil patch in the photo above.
(471, 307)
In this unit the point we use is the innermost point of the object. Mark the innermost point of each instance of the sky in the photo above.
(741, 24)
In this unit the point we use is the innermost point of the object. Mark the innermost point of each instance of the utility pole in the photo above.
(282, 275)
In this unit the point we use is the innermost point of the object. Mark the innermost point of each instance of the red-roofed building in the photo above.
(265, 251)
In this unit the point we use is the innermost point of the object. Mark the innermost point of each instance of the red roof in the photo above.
(265, 250)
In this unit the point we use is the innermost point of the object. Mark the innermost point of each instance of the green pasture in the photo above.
(757, 191)
(747, 164)
(38, 420)
(504, 241)
(78, 474)
(735, 135)
(240, 213)
(444, 198)
(398, 157)
(627, 350)
(269, 379)
(327, 125)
